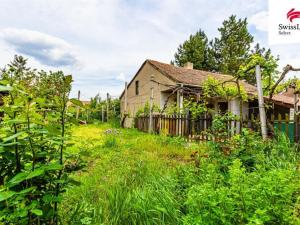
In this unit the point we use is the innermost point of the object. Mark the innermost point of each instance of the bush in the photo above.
(149, 179)
(33, 138)
(256, 182)
(259, 197)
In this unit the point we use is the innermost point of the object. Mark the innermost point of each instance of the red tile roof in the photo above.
(193, 76)
(190, 76)
(286, 97)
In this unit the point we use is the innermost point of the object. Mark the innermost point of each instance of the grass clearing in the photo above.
(137, 178)
(127, 171)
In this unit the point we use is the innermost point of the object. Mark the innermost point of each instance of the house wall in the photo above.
(234, 108)
(164, 97)
(136, 102)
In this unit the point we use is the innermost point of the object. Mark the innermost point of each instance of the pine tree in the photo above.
(193, 50)
(228, 52)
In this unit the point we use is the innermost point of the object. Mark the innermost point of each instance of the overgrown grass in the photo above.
(137, 178)
(129, 178)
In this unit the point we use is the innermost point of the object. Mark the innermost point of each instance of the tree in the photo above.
(34, 134)
(229, 51)
(193, 50)
(269, 67)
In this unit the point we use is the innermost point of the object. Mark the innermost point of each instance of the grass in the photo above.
(129, 178)
(136, 178)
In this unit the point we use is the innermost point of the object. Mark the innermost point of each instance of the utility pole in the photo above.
(77, 112)
(107, 105)
(262, 112)
(151, 105)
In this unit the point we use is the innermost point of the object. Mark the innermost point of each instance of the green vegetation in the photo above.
(96, 109)
(128, 180)
(33, 137)
(129, 177)
(194, 50)
(137, 178)
(230, 53)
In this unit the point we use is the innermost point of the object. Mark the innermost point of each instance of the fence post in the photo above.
(287, 125)
(107, 105)
(77, 111)
(296, 128)
(102, 113)
(296, 122)
(279, 123)
(151, 105)
(272, 122)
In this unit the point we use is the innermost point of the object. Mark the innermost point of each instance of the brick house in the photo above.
(166, 78)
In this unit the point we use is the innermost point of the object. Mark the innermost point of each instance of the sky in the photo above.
(102, 43)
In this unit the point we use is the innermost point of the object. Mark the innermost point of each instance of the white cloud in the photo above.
(110, 37)
(47, 49)
(260, 20)
(121, 77)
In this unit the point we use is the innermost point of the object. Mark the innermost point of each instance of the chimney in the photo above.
(188, 65)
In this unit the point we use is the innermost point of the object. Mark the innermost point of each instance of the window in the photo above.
(223, 107)
(137, 87)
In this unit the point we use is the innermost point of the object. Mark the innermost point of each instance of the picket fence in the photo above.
(200, 129)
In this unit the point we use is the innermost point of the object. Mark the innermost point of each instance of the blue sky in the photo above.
(102, 43)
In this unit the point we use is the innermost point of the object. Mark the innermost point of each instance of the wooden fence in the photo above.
(201, 129)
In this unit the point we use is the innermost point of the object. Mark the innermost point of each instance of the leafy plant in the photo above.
(34, 135)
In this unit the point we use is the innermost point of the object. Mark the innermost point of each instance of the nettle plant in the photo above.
(33, 137)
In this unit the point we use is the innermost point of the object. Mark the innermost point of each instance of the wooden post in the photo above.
(151, 105)
(107, 106)
(272, 123)
(262, 112)
(180, 108)
(287, 125)
(296, 137)
(78, 108)
(125, 101)
(102, 113)
(279, 123)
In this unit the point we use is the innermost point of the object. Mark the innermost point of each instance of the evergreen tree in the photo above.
(229, 51)
(193, 50)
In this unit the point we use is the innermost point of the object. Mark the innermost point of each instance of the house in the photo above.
(284, 103)
(164, 78)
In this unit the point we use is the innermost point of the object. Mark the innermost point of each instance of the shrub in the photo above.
(259, 197)
(34, 135)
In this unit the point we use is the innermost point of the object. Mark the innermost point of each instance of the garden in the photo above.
(137, 178)
(56, 171)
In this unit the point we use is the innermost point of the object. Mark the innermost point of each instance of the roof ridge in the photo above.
(182, 68)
